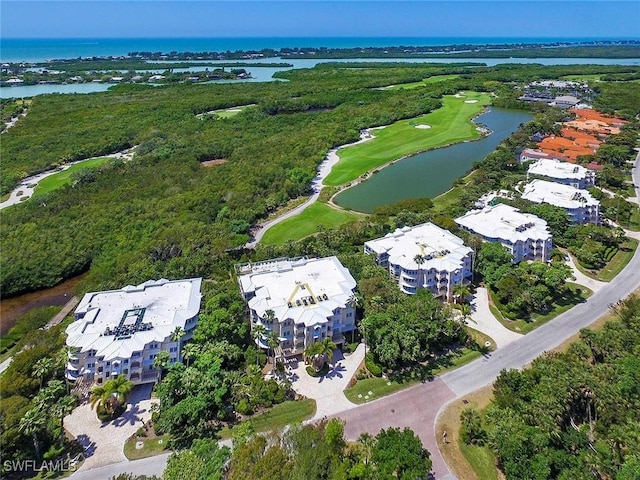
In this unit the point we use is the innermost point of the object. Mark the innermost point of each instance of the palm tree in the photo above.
(269, 316)
(42, 368)
(273, 342)
(465, 311)
(318, 353)
(419, 259)
(176, 336)
(258, 332)
(161, 360)
(461, 292)
(112, 394)
(367, 442)
(33, 423)
(326, 349)
(62, 408)
(190, 351)
(311, 352)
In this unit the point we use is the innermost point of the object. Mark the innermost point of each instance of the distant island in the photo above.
(589, 49)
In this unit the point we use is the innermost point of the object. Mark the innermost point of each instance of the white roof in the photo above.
(564, 196)
(440, 248)
(556, 169)
(503, 222)
(281, 283)
(150, 312)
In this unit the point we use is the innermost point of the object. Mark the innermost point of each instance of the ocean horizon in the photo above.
(42, 49)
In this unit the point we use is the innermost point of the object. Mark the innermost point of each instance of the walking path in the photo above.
(316, 186)
(27, 186)
(13, 121)
(483, 320)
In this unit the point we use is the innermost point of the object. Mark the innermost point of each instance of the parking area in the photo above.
(103, 442)
(327, 390)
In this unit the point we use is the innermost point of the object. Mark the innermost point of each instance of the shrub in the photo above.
(372, 366)
(244, 407)
(141, 432)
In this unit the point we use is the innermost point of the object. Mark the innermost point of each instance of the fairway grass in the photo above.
(63, 178)
(422, 83)
(307, 223)
(449, 124)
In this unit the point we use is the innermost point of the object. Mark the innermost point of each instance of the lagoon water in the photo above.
(265, 74)
(431, 173)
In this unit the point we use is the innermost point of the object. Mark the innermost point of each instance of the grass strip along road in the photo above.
(449, 124)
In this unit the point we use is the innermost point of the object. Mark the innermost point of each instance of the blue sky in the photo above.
(454, 18)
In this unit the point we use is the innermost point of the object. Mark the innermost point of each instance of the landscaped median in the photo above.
(617, 263)
(449, 124)
(277, 417)
(372, 388)
(576, 294)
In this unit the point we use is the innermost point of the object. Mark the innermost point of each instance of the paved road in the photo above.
(146, 466)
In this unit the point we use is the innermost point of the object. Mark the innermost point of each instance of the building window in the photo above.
(349, 314)
(173, 349)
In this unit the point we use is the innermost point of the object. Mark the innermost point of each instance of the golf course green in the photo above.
(307, 224)
(449, 124)
(60, 179)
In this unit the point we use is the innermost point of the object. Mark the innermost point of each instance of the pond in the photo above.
(428, 174)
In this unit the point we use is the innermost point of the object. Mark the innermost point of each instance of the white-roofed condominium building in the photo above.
(301, 300)
(526, 236)
(121, 331)
(424, 256)
(579, 204)
(566, 173)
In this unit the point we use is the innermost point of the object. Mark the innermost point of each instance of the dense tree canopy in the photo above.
(574, 414)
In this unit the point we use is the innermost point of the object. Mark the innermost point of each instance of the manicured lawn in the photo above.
(152, 446)
(577, 294)
(615, 265)
(307, 223)
(426, 81)
(60, 179)
(277, 417)
(449, 124)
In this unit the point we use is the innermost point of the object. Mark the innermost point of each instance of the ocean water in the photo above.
(41, 49)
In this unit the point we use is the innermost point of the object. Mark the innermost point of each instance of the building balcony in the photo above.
(409, 276)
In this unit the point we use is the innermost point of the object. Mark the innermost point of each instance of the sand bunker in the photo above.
(471, 101)
(211, 163)
(423, 126)
(459, 95)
